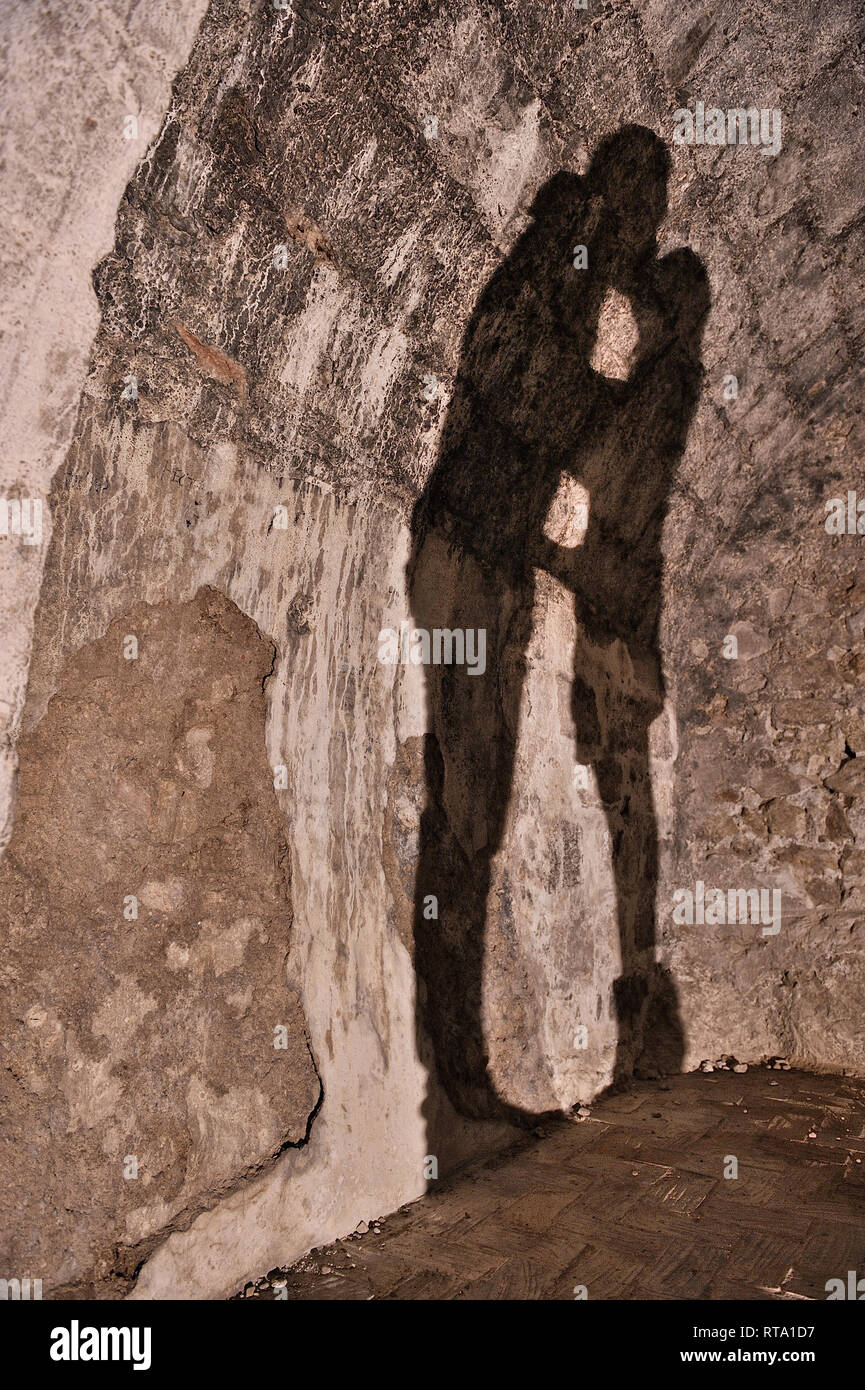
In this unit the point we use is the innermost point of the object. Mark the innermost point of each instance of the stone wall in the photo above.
(279, 372)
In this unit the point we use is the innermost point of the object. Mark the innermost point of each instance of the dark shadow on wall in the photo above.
(528, 409)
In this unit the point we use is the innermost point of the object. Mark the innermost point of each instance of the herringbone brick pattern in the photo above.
(633, 1203)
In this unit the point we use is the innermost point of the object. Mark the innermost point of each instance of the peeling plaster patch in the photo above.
(162, 995)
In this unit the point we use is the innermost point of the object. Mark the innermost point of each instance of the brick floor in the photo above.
(632, 1203)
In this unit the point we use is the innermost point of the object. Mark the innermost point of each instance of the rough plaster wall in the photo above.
(304, 386)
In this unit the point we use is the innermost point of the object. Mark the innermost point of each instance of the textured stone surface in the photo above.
(85, 90)
(293, 262)
(145, 919)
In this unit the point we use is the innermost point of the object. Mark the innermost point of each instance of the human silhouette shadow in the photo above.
(528, 409)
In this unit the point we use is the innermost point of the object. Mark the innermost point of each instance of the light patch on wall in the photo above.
(381, 368)
(663, 752)
(489, 136)
(514, 156)
(325, 304)
(617, 338)
(568, 518)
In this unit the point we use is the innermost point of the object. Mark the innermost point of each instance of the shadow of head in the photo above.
(620, 201)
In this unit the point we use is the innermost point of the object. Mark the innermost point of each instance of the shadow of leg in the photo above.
(470, 750)
(449, 947)
(650, 1034)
